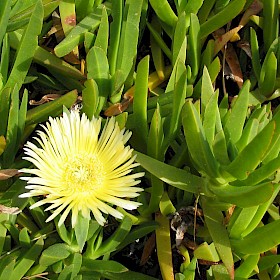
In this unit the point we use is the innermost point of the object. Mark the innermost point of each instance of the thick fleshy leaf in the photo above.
(155, 139)
(129, 37)
(262, 209)
(255, 53)
(98, 69)
(72, 270)
(194, 46)
(249, 264)
(90, 96)
(7, 270)
(244, 196)
(138, 232)
(3, 232)
(268, 75)
(206, 252)
(166, 207)
(171, 175)
(235, 122)
(27, 47)
(270, 22)
(164, 12)
(48, 60)
(28, 260)
(81, 231)
(211, 118)
(54, 253)
(179, 39)
(206, 90)
(126, 275)
(115, 33)
(101, 40)
(251, 156)
(163, 242)
(260, 240)
(114, 240)
(103, 266)
(215, 223)
(240, 220)
(5, 9)
(177, 84)
(12, 128)
(197, 143)
(222, 17)
(76, 35)
(52, 108)
(267, 262)
(140, 104)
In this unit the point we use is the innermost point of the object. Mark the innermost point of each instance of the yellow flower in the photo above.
(80, 169)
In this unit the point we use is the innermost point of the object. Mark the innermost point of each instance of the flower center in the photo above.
(83, 173)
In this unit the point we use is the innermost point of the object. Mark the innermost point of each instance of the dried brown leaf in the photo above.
(7, 173)
(9, 210)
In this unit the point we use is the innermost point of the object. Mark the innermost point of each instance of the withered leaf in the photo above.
(8, 173)
(9, 210)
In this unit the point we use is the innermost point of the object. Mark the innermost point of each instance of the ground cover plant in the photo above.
(139, 139)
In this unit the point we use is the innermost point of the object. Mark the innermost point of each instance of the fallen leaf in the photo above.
(45, 98)
(8, 173)
(148, 249)
(9, 210)
(233, 63)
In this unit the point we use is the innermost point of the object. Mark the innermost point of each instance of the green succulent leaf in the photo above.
(240, 220)
(114, 240)
(179, 39)
(90, 96)
(270, 22)
(27, 47)
(235, 122)
(47, 59)
(251, 156)
(81, 231)
(267, 262)
(244, 196)
(260, 240)
(53, 108)
(222, 17)
(5, 9)
(129, 37)
(28, 259)
(115, 33)
(171, 175)
(140, 104)
(7, 271)
(197, 143)
(214, 221)
(102, 266)
(255, 53)
(101, 40)
(76, 35)
(268, 75)
(262, 209)
(138, 232)
(164, 12)
(98, 69)
(206, 252)
(194, 47)
(54, 254)
(247, 266)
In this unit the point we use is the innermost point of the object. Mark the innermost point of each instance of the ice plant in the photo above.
(80, 168)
